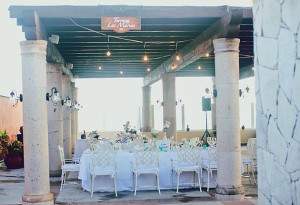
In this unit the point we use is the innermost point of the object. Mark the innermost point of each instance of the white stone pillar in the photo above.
(55, 120)
(252, 115)
(73, 123)
(213, 107)
(152, 117)
(76, 132)
(182, 117)
(146, 109)
(36, 153)
(169, 102)
(67, 118)
(229, 184)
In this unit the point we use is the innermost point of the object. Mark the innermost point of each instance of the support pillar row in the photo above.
(146, 115)
(55, 120)
(66, 92)
(169, 103)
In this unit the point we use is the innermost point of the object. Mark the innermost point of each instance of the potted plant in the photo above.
(14, 158)
(3, 144)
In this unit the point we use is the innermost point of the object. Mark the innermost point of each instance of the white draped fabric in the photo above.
(125, 181)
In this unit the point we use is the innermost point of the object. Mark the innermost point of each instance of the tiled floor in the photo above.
(12, 183)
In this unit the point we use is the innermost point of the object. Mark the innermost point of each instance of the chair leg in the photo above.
(208, 171)
(199, 181)
(135, 183)
(178, 175)
(158, 186)
(115, 185)
(62, 180)
(253, 175)
(92, 186)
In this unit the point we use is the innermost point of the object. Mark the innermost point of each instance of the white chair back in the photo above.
(188, 155)
(147, 158)
(103, 157)
(61, 154)
(251, 148)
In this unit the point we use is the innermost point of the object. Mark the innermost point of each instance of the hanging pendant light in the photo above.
(145, 57)
(177, 56)
(108, 52)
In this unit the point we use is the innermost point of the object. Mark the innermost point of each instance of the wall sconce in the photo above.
(67, 102)
(15, 98)
(242, 92)
(54, 96)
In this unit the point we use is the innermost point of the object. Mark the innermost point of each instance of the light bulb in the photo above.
(108, 53)
(121, 72)
(99, 68)
(199, 67)
(206, 54)
(145, 58)
(148, 69)
(177, 57)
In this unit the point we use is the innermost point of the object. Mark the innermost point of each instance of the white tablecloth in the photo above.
(125, 177)
(80, 146)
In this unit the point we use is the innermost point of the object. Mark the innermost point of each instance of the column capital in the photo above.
(226, 45)
(36, 46)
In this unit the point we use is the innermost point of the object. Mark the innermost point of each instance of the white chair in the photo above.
(103, 164)
(210, 164)
(145, 162)
(187, 160)
(251, 150)
(67, 166)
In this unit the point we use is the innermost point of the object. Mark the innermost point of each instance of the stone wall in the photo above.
(277, 71)
(10, 117)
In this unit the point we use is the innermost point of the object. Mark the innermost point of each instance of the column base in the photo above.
(45, 199)
(55, 173)
(229, 193)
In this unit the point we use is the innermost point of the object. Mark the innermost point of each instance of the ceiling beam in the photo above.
(227, 26)
(119, 10)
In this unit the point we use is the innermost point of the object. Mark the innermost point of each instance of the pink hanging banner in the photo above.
(120, 24)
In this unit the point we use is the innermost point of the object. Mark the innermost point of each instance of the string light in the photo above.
(199, 67)
(145, 58)
(108, 53)
(177, 57)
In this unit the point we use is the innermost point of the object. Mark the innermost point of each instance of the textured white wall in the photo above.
(277, 70)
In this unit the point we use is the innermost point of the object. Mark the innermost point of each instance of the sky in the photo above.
(107, 108)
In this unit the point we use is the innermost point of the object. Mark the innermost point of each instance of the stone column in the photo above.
(182, 117)
(152, 117)
(229, 184)
(252, 115)
(169, 102)
(36, 153)
(73, 125)
(67, 118)
(146, 109)
(55, 120)
(76, 132)
(213, 107)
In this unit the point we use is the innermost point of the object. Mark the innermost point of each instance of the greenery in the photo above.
(3, 144)
(9, 148)
(15, 148)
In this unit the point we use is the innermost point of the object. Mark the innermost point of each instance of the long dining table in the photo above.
(124, 176)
